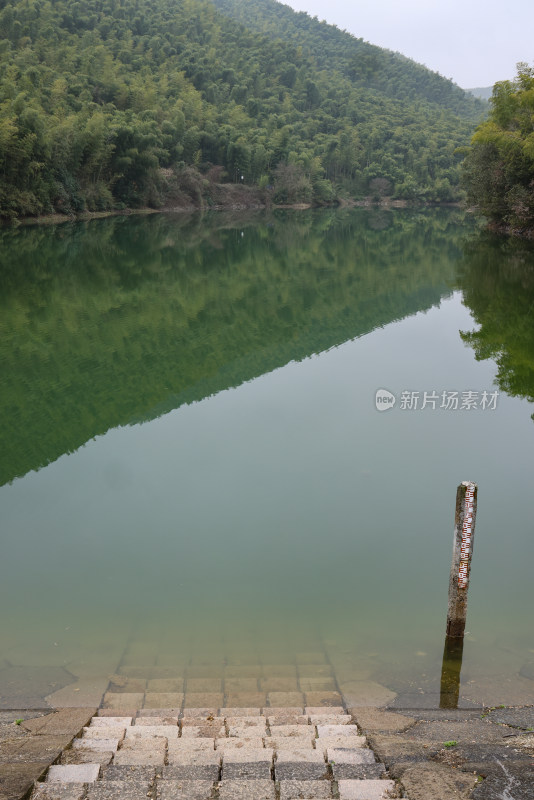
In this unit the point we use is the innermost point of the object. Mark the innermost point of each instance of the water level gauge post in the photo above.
(464, 534)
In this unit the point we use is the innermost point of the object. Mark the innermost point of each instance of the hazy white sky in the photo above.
(474, 42)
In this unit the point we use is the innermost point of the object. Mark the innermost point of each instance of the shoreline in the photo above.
(87, 216)
(342, 203)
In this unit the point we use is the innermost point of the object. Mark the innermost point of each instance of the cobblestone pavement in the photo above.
(171, 726)
(238, 753)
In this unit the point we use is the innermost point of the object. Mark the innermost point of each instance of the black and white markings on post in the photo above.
(464, 533)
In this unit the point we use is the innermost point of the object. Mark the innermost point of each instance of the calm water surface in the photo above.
(192, 458)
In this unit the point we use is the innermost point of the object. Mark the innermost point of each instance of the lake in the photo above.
(193, 465)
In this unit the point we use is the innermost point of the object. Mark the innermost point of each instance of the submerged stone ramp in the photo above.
(283, 753)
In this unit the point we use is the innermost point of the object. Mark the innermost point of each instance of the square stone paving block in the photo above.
(239, 712)
(167, 716)
(357, 771)
(324, 743)
(204, 699)
(138, 774)
(294, 731)
(284, 743)
(177, 747)
(87, 756)
(246, 771)
(361, 755)
(246, 790)
(139, 758)
(236, 685)
(235, 743)
(337, 730)
(192, 772)
(242, 671)
(285, 699)
(123, 700)
(330, 719)
(117, 790)
(59, 791)
(246, 699)
(247, 763)
(246, 720)
(314, 670)
(279, 671)
(121, 684)
(115, 713)
(73, 773)
(163, 700)
(104, 732)
(249, 726)
(202, 685)
(304, 765)
(312, 790)
(199, 758)
(133, 671)
(97, 745)
(199, 714)
(248, 755)
(208, 731)
(321, 710)
(280, 717)
(105, 722)
(152, 732)
(166, 685)
(317, 685)
(274, 684)
(168, 722)
(366, 789)
(203, 718)
(184, 790)
(323, 699)
(173, 672)
(150, 752)
(198, 669)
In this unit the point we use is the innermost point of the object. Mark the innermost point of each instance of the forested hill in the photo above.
(112, 103)
(364, 64)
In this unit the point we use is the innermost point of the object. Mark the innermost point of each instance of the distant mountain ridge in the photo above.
(363, 63)
(482, 92)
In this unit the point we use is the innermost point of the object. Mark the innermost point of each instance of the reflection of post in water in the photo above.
(450, 672)
(464, 533)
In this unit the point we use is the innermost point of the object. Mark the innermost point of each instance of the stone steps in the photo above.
(230, 754)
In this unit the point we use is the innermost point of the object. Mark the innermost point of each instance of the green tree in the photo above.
(499, 167)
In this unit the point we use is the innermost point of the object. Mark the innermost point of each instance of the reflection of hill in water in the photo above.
(497, 279)
(120, 320)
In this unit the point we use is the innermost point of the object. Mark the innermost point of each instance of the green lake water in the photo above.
(192, 458)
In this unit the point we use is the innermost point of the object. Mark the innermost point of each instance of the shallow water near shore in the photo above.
(194, 468)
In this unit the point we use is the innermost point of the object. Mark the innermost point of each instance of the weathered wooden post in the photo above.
(464, 534)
